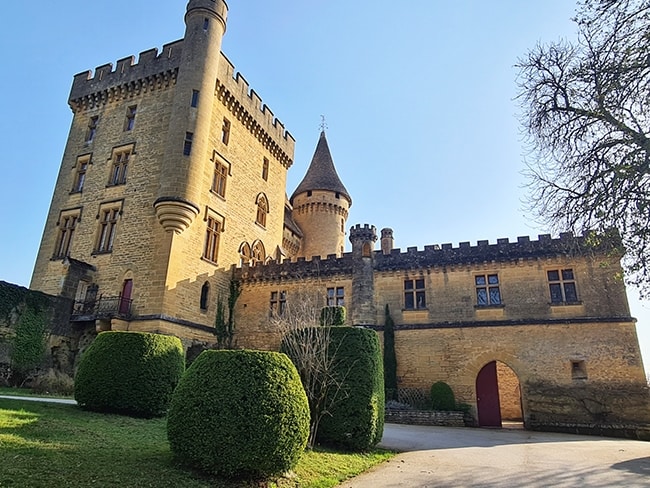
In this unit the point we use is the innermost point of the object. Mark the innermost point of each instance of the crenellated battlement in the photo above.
(151, 71)
(155, 70)
(437, 255)
(235, 93)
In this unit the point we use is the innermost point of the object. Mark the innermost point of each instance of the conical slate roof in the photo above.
(321, 174)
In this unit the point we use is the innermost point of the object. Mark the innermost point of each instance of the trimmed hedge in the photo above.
(239, 414)
(357, 415)
(332, 316)
(442, 397)
(130, 373)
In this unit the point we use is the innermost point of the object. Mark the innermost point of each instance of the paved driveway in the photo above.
(464, 457)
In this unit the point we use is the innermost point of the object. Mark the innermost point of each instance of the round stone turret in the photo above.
(320, 206)
(386, 240)
(187, 148)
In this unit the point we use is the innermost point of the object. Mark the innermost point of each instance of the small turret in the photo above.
(386, 240)
(363, 240)
(320, 206)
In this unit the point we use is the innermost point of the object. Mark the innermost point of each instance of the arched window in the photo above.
(262, 209)
(366, 250)
(205, 295)
(244, 253)
(258, 253)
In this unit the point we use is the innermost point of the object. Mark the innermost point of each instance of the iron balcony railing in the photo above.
(102, 308)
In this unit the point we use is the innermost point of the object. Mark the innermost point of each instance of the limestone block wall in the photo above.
(541, 355)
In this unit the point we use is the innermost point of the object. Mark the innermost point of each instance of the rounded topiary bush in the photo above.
(239, 414)
(131, 373)
(442, 396)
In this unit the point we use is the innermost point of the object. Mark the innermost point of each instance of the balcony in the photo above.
(101, 308)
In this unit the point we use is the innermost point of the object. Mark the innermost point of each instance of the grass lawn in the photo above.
(45, 445)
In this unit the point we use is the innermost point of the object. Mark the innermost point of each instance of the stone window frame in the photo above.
(277, 303)
(91, 131)
(335, 296)
(194, 99)
(226, 127)
(262, 204)
(187, 143)
(82, 164)
(67, 224)
(129, 122)
(121, 158)
(265, 169)
(258, 253)
(245, 255)
(488, 290)
(578, 369)
(562, 286)
(222, 170)
(205, 296)
(108, 217)
(415, 293)
(214, 227)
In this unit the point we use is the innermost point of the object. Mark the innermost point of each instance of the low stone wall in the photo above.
(425, 417)
(639, 432)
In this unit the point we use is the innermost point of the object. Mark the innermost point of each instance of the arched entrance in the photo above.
(498, 395)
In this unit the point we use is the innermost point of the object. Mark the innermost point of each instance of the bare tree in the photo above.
(585, 110)
(308, 345)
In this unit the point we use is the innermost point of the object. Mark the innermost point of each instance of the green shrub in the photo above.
(442, 397)
(239, 414)
(357, 413)
(131, 373)
(332, 316)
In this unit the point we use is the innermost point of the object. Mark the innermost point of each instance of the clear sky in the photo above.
(418, 97)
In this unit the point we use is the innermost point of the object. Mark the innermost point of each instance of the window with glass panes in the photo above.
(120, 167)
(67, 225)
(562, 286)
(487, 290)
(336, 297)
(414, 294)
(107, 228)
(211, 249)
(278, 302)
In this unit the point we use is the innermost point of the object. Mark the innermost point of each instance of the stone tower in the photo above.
(180, 181)
(363, 240)
(320, 206)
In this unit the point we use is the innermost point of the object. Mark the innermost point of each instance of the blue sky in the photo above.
(418, 97)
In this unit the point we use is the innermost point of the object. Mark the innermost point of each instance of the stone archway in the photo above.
(498, 395)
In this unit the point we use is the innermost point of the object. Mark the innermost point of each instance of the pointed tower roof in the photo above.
(321, 174)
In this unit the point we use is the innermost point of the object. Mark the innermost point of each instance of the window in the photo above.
(220, 178)
(414, 294)
(205, 295)
(225, 131)
(80, 176)
(107, 227)
(187, 145)
(336, 297)
(487, 290)
(120, 166)
(194, 102)
(278, 303)
(212, 234)
(206, 23)
(129, 124)
(258, 253)
(245, 253)
(578, 370)
(262, 210)
(67, 224)
(562, 286)
(92, 129)
(265, 169)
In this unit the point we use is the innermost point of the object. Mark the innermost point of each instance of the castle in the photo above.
(173, 186)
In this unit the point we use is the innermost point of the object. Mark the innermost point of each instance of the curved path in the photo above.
(464, 457)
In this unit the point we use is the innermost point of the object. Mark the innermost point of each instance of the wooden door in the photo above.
(487, 396)
(125, 297)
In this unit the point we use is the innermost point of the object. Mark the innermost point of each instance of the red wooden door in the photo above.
(487, 396)
(125, 297)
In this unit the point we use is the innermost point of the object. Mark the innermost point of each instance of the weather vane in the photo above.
(323, 124)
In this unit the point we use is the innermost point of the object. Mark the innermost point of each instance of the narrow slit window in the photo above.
(225, 131)
(187, 144)
(129, 124)
(194, 102)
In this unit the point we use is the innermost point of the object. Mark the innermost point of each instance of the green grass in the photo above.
(45, 444)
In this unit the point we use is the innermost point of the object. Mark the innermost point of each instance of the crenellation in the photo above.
(150, 64)
(523, 240)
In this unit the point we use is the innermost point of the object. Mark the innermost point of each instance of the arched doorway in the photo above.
(498, 395)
